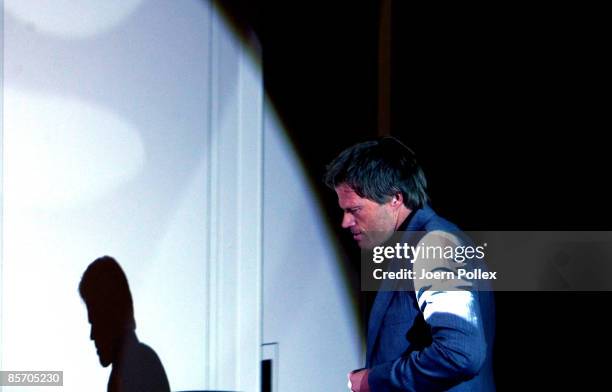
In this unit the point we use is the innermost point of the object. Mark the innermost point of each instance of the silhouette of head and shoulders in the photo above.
(106, 293)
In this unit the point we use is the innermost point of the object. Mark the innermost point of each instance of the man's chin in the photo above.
(365, 244)
(105, 362)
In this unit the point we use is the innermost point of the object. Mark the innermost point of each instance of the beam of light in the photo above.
(71, 18)
(62, 152)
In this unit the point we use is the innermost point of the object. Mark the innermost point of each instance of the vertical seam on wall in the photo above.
(209, 204)
(1, 177)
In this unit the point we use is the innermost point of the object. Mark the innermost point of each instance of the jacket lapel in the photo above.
(385, 294)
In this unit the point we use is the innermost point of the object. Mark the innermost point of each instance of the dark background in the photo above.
(504, 106)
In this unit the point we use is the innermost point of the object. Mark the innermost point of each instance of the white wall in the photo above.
(136, 132)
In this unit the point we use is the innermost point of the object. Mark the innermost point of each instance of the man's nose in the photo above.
(347, 221)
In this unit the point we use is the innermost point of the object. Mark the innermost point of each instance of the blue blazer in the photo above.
(444, 344)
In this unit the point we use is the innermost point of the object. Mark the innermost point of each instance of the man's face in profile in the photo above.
(370, 223)
(104, 337)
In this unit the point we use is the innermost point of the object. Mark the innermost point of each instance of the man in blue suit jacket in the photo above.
(430, 337)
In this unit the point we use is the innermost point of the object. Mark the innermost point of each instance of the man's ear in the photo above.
(397, 200)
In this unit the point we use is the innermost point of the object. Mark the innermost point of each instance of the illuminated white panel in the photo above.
(104, 141)
(307, 310)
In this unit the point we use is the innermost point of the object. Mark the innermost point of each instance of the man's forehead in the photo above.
(346, 195)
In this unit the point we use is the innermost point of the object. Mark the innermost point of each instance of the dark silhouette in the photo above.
(136, 367)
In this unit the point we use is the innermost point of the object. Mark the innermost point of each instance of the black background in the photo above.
(507, 108)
